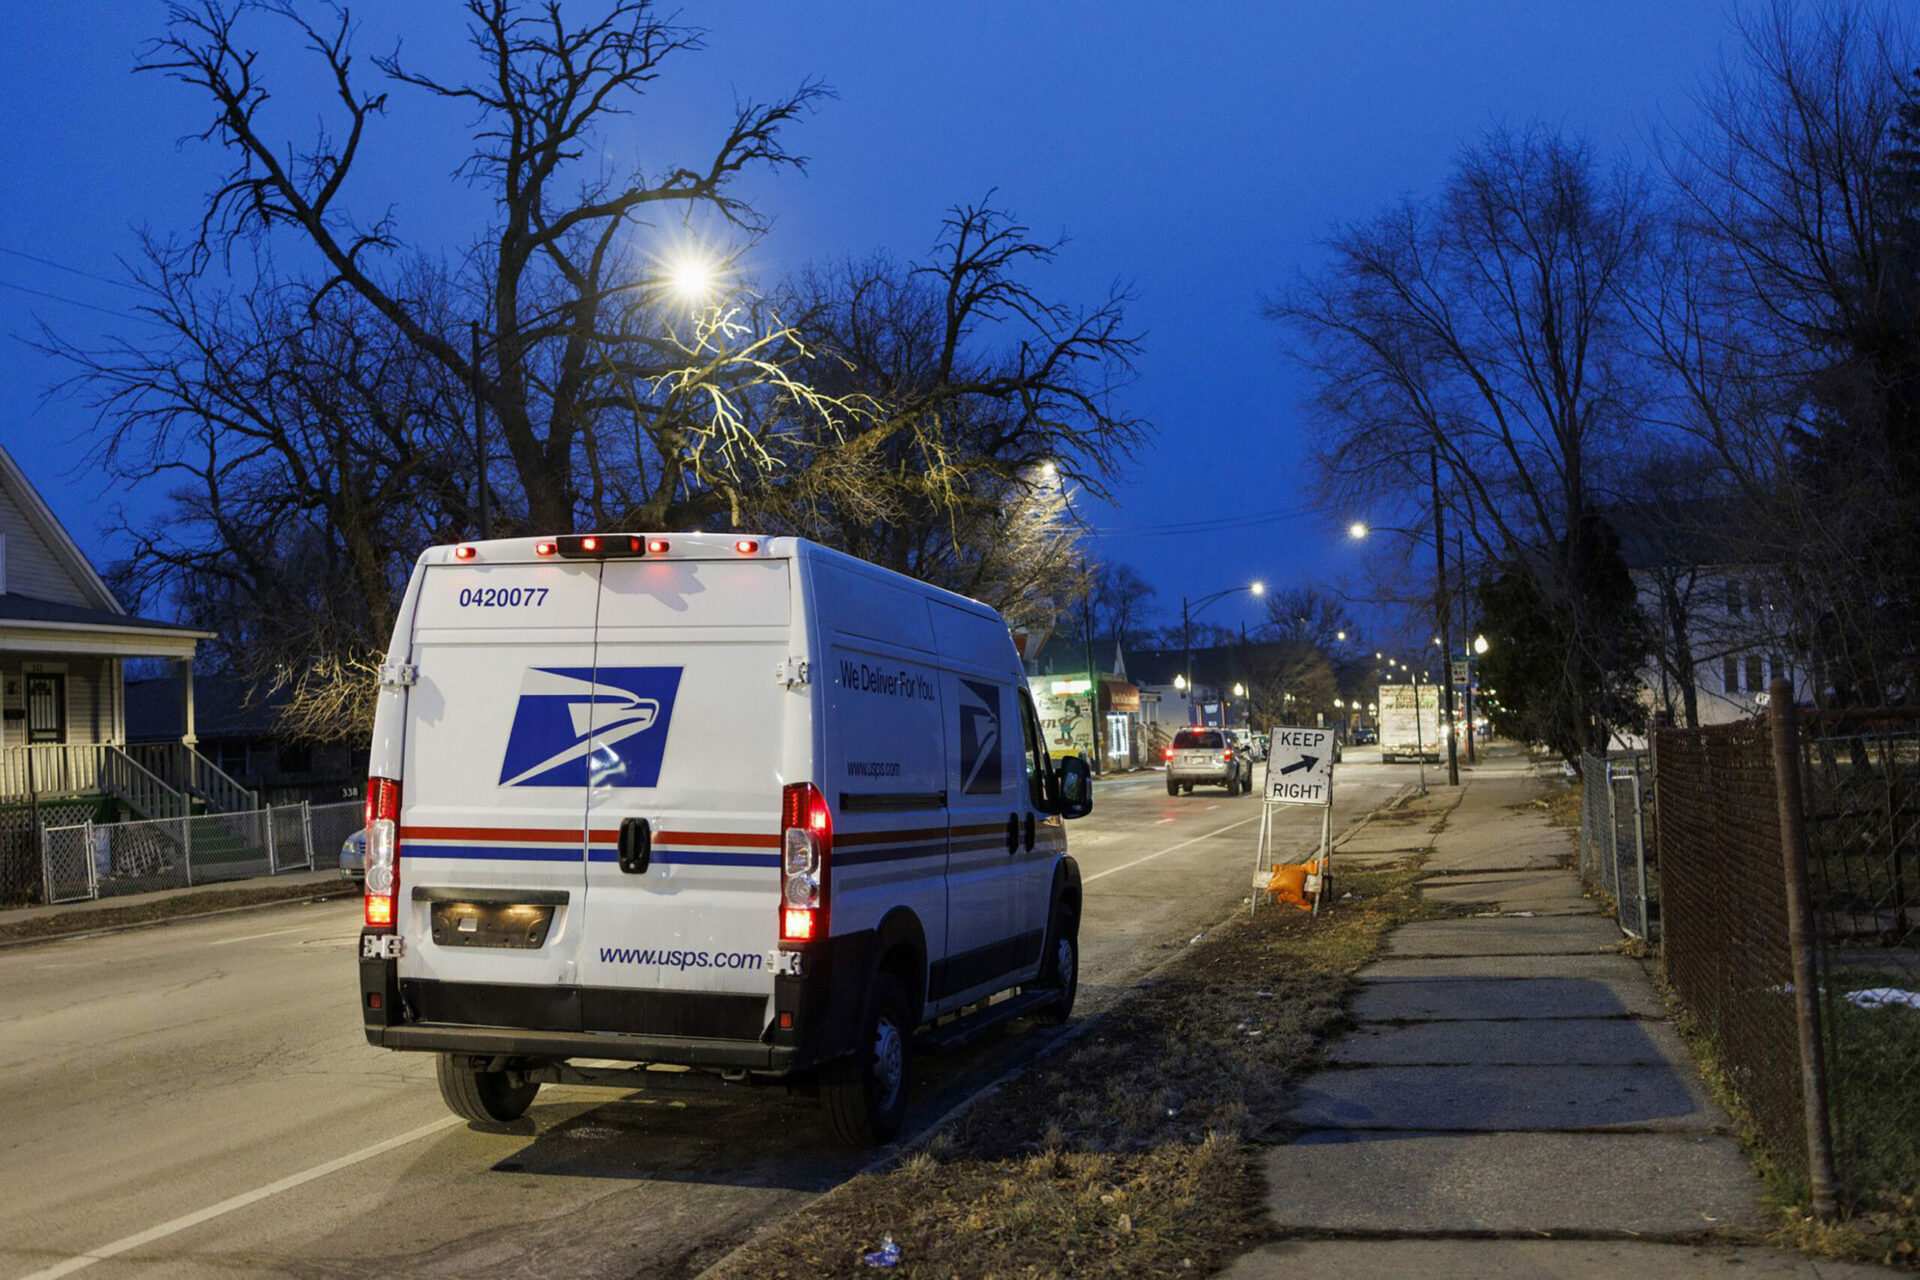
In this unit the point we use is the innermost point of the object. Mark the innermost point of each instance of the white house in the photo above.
(64, 644)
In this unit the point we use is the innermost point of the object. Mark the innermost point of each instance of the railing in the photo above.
(53, 770)
(184, 769)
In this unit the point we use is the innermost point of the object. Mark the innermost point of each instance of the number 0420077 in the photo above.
(502, 597)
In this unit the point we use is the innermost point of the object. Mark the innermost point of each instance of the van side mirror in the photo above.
(1073, 783)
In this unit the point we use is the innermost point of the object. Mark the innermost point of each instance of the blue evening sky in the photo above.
(1196, 151)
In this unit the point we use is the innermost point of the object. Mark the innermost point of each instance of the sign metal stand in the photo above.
(1303, 776)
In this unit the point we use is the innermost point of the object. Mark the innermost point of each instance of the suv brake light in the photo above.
(383, 852)
(806, 852)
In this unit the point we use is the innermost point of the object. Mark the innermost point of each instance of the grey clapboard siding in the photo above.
(32, 569)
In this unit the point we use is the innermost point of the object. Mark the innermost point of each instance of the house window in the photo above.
(1730, 674)
(46, 707)
(1735, 599)
(1755, 600)
(1756, 675)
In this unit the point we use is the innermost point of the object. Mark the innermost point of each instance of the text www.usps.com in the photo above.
(669, 958)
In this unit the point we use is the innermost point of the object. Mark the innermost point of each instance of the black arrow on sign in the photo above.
(1304, 762)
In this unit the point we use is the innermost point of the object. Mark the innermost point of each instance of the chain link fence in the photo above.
(329, 825)
(104, 859)
(1616, 837)
(1724, 918)
(1861, 787)
(22, 870)
(1728, 882)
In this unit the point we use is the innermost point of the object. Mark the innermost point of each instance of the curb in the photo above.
(10, 944)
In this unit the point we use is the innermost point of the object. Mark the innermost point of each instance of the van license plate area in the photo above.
(522, 926)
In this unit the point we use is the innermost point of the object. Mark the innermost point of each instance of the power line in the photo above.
(1218, 524)
(61, 266)
(75, 302)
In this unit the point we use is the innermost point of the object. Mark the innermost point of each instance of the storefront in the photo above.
(1121, 742)
(1066, 708)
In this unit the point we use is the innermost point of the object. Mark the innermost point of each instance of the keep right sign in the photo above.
(1300, 766)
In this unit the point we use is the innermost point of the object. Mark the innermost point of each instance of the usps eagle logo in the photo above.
(590, 726)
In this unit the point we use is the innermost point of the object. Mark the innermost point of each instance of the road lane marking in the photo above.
(1161, 821)
(126, 1244)
(255, 937)
(1174, 848)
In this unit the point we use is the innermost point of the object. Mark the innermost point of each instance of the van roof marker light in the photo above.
(463, 552)
(746, 546)
(589, 543)
(543, 548)
(658, 546)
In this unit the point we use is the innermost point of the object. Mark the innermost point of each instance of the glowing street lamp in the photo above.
(692, 278)
(1357, 530)
(1180, 682)
(1480, 644)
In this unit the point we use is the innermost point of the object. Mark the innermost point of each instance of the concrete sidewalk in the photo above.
(1512, 1102)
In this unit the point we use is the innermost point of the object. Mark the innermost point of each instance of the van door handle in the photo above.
(1013, 833)
(636, 846)
(1029, 833)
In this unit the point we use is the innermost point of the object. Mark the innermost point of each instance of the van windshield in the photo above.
(1197, 740)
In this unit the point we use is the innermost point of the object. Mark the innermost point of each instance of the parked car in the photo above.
(353, 856)
(742, 805)
(1208, 758)
(1365, 737)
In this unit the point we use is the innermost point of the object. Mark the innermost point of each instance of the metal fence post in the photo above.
(306, 829)
(273, 843)
(1806, 998)
(93, 871)
(186, 846)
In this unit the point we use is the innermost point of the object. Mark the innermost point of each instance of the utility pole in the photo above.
(1093, 677)
(1186, 641)
(479, 432)
(1466, 632)
(1440, 599)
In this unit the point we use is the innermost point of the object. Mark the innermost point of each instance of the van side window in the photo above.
(1039, 776)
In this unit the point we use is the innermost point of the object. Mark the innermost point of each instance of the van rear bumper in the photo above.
(685, 1051)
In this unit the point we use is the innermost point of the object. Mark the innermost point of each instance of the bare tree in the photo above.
(1785, 312)
(992, 404)
(1483, 332)
(614, 406)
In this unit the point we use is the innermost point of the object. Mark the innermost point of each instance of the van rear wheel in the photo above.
(1061, 967)
(866, 1092)
(1173, 788)
(480, 1096)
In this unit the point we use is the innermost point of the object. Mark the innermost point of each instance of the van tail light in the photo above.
(383, 853)
(1227, 754)
(806, 855)
(1166, 753)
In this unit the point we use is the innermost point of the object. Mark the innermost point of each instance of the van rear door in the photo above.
(493, 789)
(690, 725)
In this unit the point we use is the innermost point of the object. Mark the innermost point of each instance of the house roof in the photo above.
(19, 608)
(15, 481)
(221, 709)
(1066, 653)
(1689, 534)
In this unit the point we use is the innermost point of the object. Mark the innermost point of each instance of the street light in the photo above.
(1480, 644)
(691, 277)
(1340, 635)
(1189, 608)
(1239, 690)
(1180, 682)
(1357, 530)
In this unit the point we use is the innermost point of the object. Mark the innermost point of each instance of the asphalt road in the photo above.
(199, 1100)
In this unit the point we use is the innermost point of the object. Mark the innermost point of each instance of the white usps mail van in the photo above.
(740, 804)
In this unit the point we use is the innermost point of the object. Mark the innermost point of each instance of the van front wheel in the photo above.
(480, 1096)
(866, 1092)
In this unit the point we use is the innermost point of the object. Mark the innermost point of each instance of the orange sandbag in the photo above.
(1288, 884)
